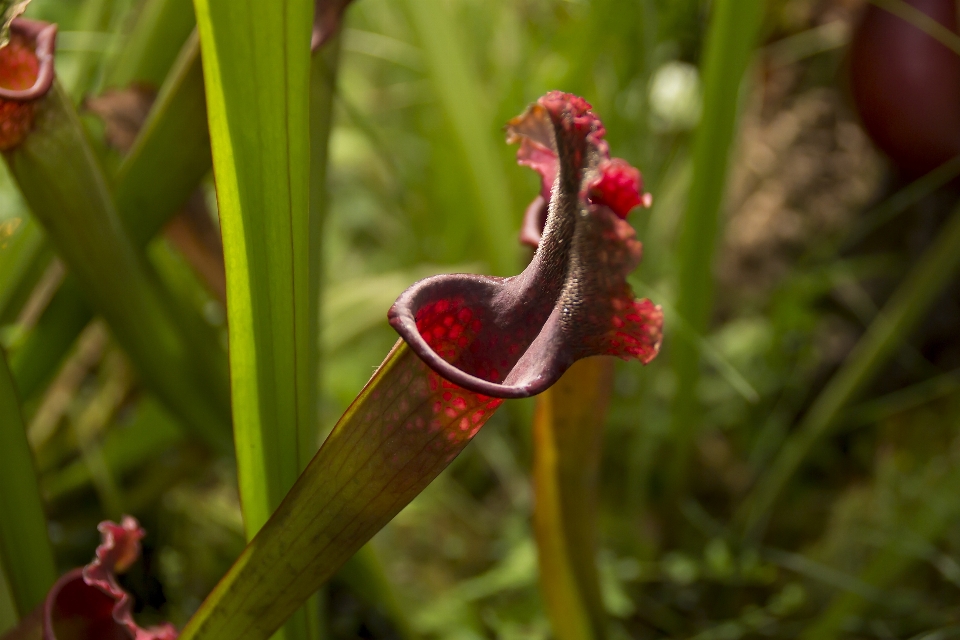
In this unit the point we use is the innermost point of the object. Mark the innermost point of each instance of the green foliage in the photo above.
(62, 182)
(25, 553)
(729, 45)
(258, 93)
(787, 467)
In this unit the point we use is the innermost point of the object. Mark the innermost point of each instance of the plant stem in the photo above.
(61, 180)
(25, 552)
(403, 429)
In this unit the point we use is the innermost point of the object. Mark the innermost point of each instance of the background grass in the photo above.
(814, 234)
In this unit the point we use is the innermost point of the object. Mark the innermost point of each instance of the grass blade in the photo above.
(568, 435)
(924, 525)
(25, 552)
(899, 316)
(730, 40)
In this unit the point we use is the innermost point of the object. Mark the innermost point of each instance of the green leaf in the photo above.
(323, 84)
(258, 98)
(78, 70)
(25, 552)
(66, 191)
(732, 35)
(919, 526)
(568, 437)
(151, 432)
(9, 9)
(403, 429)
(8, 610)
(256, 59)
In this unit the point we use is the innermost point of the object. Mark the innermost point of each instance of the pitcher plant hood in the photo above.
(514, 337)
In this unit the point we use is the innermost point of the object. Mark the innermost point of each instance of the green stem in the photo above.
(169, 158)
(403, 429)
(25, 552)
(66, 190)
(898, 318)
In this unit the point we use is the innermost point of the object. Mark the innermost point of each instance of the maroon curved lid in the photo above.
(514, 337)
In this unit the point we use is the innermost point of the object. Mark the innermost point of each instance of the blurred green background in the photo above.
(816, 231)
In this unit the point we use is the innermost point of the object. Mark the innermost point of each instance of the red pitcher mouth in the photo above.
(514, 337)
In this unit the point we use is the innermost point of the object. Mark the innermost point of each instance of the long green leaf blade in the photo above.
(256, 71)
(153, 43)
(25, 550)
(323, 82)
(171, 154)
(256, 60)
